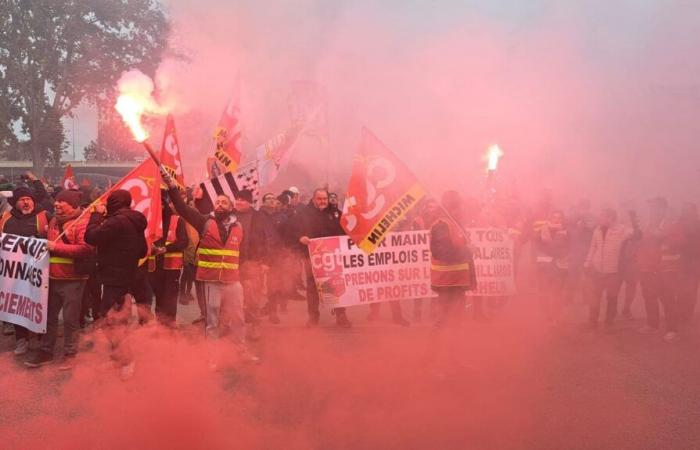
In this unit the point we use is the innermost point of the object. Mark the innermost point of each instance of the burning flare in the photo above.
(493, 153)
(136, 99)
(131, 110)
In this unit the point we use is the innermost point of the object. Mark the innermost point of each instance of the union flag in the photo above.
(380, 193)
(170, 157)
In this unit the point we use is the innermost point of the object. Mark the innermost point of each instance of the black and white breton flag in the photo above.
(229, 184)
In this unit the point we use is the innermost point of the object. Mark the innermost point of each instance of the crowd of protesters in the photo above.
(242, 263)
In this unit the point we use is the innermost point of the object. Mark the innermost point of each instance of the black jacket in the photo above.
(21, 224)
(314, 223)
(120, 242)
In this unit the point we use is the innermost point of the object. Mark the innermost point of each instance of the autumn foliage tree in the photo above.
(55, 54)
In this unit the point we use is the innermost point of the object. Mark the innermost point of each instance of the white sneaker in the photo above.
(127, 371)
(22, 347)
(248, 357)
(646, 329)
(670, 336)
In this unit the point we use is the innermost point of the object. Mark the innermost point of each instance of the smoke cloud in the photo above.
(591, 99)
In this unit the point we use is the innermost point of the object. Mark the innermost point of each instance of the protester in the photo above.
(551, 249)
(427, 215)
(580, 228)
(603, 264)
(117, 232)
(279, 284)
(316, 220)
(67, 248)
(252, 259)
(689, 264)
(451, 266)
(659, 261)
(629, 269)
(168, 261)
(218, 255)
(24, 219)
(189, 256)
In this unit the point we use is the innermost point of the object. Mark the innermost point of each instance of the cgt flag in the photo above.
(275, 154)
(228, 138)
(381, 191)
(69, 179)
(170, 153)
(143, 183)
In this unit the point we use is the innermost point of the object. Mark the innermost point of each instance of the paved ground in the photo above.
(512, 383)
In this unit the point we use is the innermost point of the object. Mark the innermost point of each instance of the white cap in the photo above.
(294, 190)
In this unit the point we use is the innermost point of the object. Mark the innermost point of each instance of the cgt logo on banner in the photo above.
(398, 269)
(24, 275)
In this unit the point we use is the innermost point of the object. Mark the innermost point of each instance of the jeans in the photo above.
(687, 294)
(608, 284)
(66, 295)
(660, 287)
(224, 309)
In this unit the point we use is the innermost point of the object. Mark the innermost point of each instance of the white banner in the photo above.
(493, 261)
(400, 267)
(24, 281)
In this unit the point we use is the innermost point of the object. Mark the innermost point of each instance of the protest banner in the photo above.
(24, 281)
(493, 260)
(399, 268)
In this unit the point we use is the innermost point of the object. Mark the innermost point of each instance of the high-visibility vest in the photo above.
(217, 261)
(42, 223)
(451, 274)
(172, 260)
(62, 267)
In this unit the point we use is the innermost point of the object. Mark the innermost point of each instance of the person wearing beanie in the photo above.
(117, 232)
(23, 220)
(67, 247)
(253, 254)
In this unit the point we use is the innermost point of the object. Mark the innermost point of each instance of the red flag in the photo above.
(69, 179)
(381, 191)
(170, 152)
(228, 137)
(143, 183)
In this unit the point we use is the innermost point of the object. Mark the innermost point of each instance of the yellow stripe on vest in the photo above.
(173, 255)
(217, 252)
(216, 265)
(60, 260)
(451, 268)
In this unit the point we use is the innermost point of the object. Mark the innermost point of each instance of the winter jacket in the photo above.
(314, 223)
(119, 238)
(660, 247)
(606, 248)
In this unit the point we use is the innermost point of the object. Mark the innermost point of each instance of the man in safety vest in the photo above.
(66, 244)
(220, 239)
(451, 266)
(167, 263)
(23, 220)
